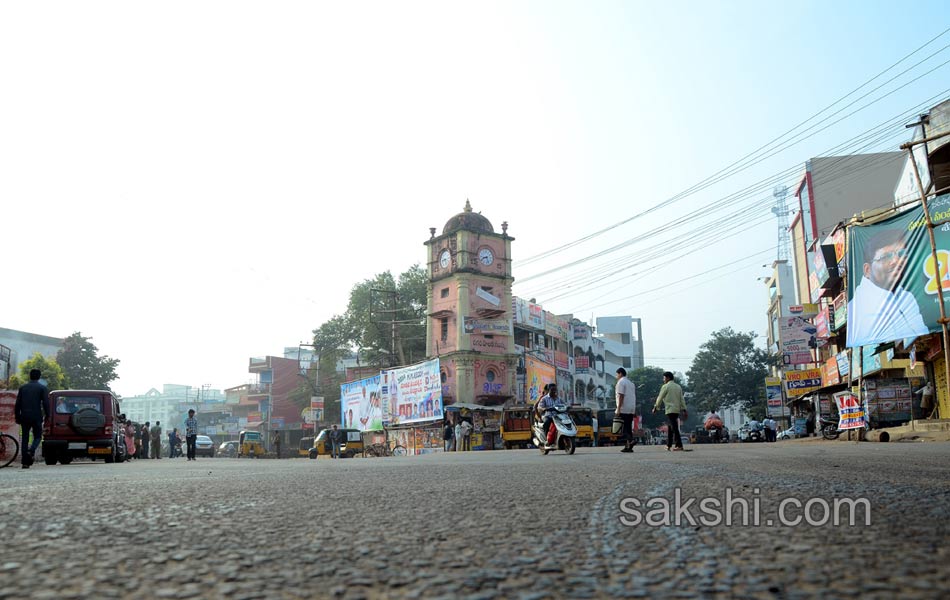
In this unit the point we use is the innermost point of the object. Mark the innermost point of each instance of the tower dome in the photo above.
(468, 220)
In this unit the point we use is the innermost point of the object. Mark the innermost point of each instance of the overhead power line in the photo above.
(755, 156)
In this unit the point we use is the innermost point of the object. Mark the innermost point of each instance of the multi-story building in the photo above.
(590, 387)
(18, 346)
(622, 346)
(277, 379)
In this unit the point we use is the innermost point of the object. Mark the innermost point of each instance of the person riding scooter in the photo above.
(546, 412)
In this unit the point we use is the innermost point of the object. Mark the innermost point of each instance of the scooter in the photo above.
(565, 432)
(829, 428)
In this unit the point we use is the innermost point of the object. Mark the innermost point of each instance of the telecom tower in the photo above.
(780, 210)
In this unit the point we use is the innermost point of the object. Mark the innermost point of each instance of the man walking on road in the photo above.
(277, 443)
(146, 436)
(191, 433)
(671, 398)
(335, 435)
(28, 412)
(156, 434)
(626, 407)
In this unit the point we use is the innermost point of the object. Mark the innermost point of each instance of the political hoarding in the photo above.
(412, 394)
(361, 404)
(316, 408)
(799, 383)
(894, 284)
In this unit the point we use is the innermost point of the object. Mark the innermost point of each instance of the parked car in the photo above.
(228, 449)
(204, 446)
(788, 434)
(82, 424)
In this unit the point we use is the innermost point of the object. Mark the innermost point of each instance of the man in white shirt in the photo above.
(626, 393)
(880, 309)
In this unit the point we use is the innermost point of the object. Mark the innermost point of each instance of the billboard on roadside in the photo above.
(360, 404)
(412, 394)
(893, 283)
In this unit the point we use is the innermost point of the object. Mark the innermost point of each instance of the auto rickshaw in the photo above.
(516, 427)
(605, 428)
(584, 420)
(305, 445)
(250, 444)
(351, 444)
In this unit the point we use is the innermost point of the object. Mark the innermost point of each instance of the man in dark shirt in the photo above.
(28, 412)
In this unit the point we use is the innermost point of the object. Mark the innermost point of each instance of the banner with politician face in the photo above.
(893, 282)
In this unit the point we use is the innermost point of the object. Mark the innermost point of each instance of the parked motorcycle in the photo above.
(565, 432)
(829, 428)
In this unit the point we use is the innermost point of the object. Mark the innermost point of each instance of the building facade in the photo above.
(18, 346)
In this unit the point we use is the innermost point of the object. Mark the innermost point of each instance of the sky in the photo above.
(192, 184)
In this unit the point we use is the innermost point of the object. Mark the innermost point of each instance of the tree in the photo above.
(729, 370)
(50, 371)
(648, 381)
(82, 365)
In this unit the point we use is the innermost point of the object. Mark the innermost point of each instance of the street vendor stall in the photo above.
(485, 421)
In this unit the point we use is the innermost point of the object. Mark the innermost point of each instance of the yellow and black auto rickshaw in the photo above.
(305, 445)
(605, 424)
(351, 444)
(250, 444)
(584, 420)
(516, 427)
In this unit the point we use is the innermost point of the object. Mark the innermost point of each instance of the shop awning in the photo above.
(469, 406)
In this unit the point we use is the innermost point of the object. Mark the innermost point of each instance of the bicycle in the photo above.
(9, 448)
(380, 450)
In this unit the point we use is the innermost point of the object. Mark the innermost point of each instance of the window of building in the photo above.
(487, 288)
(444, 326)
(625, 339)
(444, 293)
(489, 376)
(626, 362)
(444, 376)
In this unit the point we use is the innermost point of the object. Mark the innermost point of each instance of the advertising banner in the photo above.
(844, 363)
(799, 383)
(538, 374)
(581, 332)
(838, 237)
(805, 311)
(850, 411)
(773, 396)
(484, 326)
(316, 408)
(560, 360)
(798, 338)
(893, 282)
(840, 311)
(519, 310)
(361, 404)
(870, 363)
(830, 375)
(822, 330)
(889, 400)
(535, 316)
(581, 365)
(412, 394)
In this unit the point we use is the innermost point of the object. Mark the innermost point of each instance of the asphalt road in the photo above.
(505, 524)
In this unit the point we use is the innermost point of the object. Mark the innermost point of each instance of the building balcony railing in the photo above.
(258, 389)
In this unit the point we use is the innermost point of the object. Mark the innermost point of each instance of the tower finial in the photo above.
(468, 206)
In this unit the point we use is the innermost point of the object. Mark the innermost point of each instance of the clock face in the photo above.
(444, 259)
(485, 256)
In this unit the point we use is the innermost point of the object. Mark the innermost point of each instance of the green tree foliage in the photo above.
(729, 370)
(50, 371)
(84, 368)
(376, 321)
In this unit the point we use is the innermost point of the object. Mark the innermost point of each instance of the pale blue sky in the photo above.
(230, 169)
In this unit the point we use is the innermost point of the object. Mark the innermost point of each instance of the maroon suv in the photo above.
(81, 423)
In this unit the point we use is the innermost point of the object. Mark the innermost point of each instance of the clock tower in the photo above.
(469, 325)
